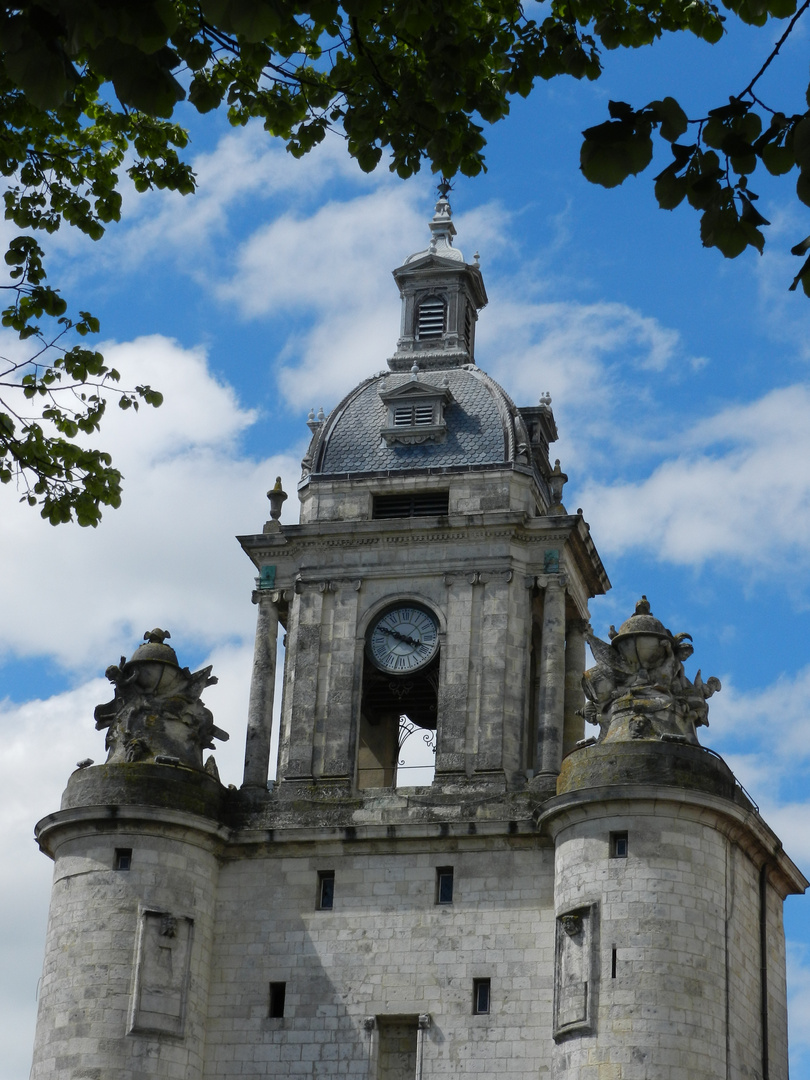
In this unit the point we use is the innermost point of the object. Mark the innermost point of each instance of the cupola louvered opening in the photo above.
(411, 504)
(430, 323)
(414, 415)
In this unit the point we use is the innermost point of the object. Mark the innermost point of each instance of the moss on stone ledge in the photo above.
(665, 764)
(139, 784)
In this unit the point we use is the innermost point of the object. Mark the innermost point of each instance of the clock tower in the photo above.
(435, 574)
(543, 906)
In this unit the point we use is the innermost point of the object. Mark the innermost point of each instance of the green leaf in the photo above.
(673, 119)
(778, 160)
(803, 187)
(800, 141)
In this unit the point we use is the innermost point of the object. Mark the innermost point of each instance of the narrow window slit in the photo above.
(123, 858)
(480, 996)
(326, 890)
(278, 992)
(444, 884)
(619, 845)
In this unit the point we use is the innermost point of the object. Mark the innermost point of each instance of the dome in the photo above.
(480, 426)
(154, 649)
(641, 622)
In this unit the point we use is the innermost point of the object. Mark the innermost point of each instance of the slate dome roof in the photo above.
(484, 428)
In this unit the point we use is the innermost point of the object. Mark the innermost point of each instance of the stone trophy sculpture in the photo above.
(156, 714)
(638, 688)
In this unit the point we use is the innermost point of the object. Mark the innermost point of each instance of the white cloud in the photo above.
(698, 505)
(167, 556)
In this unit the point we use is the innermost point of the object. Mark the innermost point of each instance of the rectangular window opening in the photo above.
(278, 992)
(414, 504)
(444, 884)
(326, 890)
(618, 845)
(123, 858)
(613, 963)
(480, 996)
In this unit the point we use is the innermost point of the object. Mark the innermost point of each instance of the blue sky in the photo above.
(679, 381)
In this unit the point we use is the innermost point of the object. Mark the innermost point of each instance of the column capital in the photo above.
(551, 581)
(271, 596)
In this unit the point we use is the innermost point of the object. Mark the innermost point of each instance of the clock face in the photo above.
(403, 639)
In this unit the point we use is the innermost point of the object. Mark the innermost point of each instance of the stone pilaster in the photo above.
(300, 692)
(454, 688)
(493, 659)
(335, 737)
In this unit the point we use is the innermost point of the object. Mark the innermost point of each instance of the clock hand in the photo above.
(401, 637)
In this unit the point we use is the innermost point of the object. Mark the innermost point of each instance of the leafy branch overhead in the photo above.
(89, 89)
(712, 169)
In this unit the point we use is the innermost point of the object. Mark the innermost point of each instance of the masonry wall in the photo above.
(675, 990)
(102, 922)
(386, 949)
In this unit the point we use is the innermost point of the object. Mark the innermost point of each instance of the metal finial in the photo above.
(444, 187)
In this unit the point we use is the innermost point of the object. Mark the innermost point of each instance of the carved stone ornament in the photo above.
(638, 688)
(571, 924)
(156, 714)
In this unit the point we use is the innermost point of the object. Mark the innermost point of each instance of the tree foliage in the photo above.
(88, 90)
(712, 170)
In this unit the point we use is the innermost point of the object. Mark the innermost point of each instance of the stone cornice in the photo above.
(740, 825)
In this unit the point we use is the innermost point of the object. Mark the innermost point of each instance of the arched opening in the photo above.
(398, 712)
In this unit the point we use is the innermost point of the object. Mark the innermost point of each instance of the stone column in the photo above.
(573, 725)
(262, 691)
(551, 696)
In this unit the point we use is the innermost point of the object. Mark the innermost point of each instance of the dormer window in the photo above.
(430, 323)
(415, 413)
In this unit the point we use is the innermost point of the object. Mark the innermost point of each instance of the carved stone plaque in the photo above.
(161, 974)
(574, 970)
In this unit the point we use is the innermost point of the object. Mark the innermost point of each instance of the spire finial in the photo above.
(444, 187)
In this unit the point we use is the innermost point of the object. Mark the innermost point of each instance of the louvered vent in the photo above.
(467, 327)
(431, 319)
(414, 504)
(413, 415)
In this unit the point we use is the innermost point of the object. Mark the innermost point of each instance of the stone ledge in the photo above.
(645, 762)
(141, 784)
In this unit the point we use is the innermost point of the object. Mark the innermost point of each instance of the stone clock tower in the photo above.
(547, 906)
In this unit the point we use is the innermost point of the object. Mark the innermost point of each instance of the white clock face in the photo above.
(404, 639)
